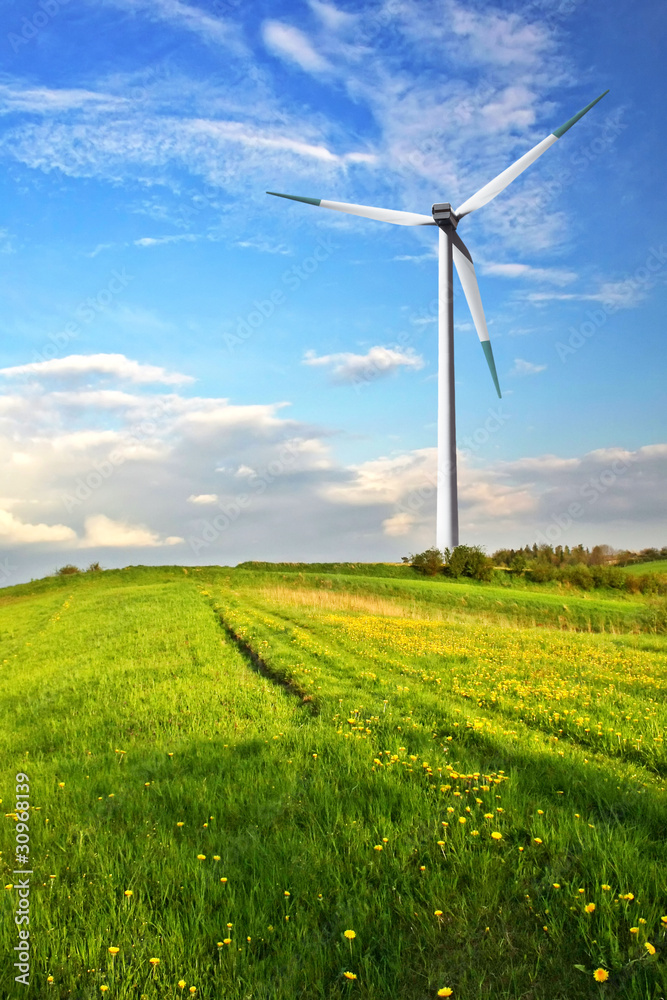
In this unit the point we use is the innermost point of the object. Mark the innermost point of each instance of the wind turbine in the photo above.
(451, 249)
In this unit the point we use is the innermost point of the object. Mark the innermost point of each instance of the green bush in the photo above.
(67, 570)
(429, 562)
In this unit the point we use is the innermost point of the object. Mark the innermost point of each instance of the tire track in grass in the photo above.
(260, 666)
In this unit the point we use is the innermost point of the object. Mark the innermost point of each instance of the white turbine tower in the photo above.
(452, 250)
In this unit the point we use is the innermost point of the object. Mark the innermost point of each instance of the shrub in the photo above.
(67, 570)
(94, 568)
(470, 561)
(429, 562)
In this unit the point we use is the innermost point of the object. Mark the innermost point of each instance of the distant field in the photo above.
(659, 566)
(230, 768)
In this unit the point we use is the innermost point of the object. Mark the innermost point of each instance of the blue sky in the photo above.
(288, 354)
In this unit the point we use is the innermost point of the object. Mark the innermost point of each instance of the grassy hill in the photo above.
(228, 769)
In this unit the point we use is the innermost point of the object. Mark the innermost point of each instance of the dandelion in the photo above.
(422, 868)
(462, 819)
(634, 930)
(49, 979)
(600, 975)
(605, 887)
(664, 919)
(201, 857)
(378, 847)
(104, 988)
(129, 892)
(193, 989)
(223, 879)
(61, 784)
(641, 920)
(438, 913)
(180, 823)
(474, 833)
(154, 961)
(350, 935)
(227, 941)
(249, 940)
(445, 992)
(216, 857)
(649, 947)
(385, 840)
(181, 984)
(488, 815)
(286, 893)
(230, 926)
(113, 950)
(556, 885)
(349, 975)
(496, 835)
(589, 907)
(537, 840)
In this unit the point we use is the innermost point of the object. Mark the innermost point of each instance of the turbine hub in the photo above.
(444, 216)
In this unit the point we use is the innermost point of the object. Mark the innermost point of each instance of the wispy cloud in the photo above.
(378, 361)
(555, 275)
(522, 367)
(293, 45)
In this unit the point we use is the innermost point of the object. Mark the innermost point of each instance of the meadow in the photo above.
(274, 782)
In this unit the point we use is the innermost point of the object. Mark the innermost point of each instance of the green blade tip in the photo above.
(294, 197)
(488, 354)
(558, 132)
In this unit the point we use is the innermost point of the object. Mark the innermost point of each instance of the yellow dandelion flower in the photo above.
(249, 940)
(104, 989)
(61, 784)
(462, 819)
(445, 992)
(49, 979)
(474, 833)
(201, 857)
(629, 895)
(129, 892)
(589, 907)
(286, 893)
(496, 835)
(556, 885)
(641, 920)
(634, 930)
(227, 941)
(349, 975)
(600, 975)
(193, 989)
(223, 879)
(154, 961)
(180, 823)
(181, 983)
(488, 815)
(378, 847)
(230, 926)
(540, 812)
(216, 857)
(605, 887)
(350, 934)
(385, 840)
(113, 950)
(422, 868)
(537, 840)
(649, 947)
(438, 913)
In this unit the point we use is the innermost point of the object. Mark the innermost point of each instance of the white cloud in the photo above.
(44, 101)
(116, 365)
(558, 276)
(153, 241)
(183, 15)
(332, 18)
(203, 498)
(294, 45)
(13, 531)
(613, 295)
(355, 368)
(103, 532)
(264, 246)
(522, 367)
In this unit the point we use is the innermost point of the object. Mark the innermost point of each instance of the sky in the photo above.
(193, 372)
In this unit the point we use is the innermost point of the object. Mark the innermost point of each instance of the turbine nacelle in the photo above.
(444, 216)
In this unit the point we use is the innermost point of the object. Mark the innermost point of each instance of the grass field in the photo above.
(327, 784)
(658, 566)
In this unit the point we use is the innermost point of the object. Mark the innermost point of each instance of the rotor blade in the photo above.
(499, 183)
(381, 214)
(466, 272)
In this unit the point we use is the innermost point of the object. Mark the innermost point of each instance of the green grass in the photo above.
(657, 566)
(291, 724)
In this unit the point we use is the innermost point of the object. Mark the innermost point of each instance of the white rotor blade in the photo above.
(466, 272)
(499, 183)
(366, 211)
